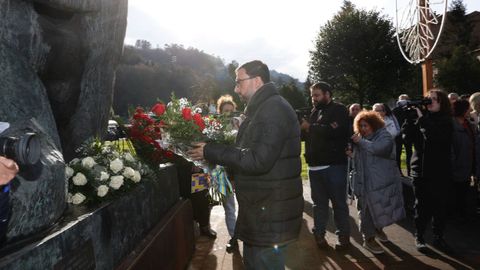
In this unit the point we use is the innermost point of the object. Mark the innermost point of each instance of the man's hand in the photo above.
(334, 125)
(8, 170)
(305, 126)
(197, 152)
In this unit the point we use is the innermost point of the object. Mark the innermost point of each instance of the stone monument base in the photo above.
(104, 238)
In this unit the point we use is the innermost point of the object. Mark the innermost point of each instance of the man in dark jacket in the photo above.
(266, 164)
(327, 133)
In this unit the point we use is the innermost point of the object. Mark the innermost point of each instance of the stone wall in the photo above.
(57, 65)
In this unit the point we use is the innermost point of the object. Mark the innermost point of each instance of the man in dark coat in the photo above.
(266, 164)
(327, 133)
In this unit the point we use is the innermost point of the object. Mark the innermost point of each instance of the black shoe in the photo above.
(343, 243)
(208, 232)
(321, 242)
(232, 245)
(441, 245)
(420, 244)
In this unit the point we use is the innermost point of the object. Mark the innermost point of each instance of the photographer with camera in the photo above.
(431, 134)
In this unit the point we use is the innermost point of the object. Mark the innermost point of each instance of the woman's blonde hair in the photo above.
(373, 119)
(224, 100)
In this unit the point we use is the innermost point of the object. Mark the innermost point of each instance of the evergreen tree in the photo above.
(356, 52)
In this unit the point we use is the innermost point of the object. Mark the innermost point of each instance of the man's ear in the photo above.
(258, 82)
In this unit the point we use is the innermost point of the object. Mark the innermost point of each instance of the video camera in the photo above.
(303, 113)
(409, 105)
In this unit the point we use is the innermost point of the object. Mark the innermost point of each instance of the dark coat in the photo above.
(431, 136)
(463, 149)
(266, 165)
(325, 145)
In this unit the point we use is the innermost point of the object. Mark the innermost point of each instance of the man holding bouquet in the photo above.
(266, 165)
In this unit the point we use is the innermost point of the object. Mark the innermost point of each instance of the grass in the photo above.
(304, 173)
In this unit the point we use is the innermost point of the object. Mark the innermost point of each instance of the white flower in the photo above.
(129, 157)
(116, 181)
(78, 198)
(104, 176)
(128, 172)
(116, 165)
(74, 161)
(88, 162)
(79, 179)
(102, 191)
(69, 172)
(136, 177)
(69, 197)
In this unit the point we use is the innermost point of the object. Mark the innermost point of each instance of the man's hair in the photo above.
(475, 100)
(322, 86)
(256, 68)
(224, 100)
(453, 95)
(403, 97)
(372, 118)
(354, 104)
(460, 107)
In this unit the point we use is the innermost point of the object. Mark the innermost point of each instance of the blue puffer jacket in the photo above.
(266, 166)
(377, 178)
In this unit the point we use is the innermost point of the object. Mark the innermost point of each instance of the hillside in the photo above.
(147, 74)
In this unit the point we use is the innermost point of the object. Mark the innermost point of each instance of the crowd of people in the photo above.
(351, 152)
(439, 135)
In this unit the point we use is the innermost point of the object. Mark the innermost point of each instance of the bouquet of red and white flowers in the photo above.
(183, 124)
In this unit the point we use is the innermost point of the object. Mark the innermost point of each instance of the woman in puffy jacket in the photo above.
(376, 179)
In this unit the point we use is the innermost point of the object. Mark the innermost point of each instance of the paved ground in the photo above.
(464, 237)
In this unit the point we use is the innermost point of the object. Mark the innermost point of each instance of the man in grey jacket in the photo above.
(266, 165)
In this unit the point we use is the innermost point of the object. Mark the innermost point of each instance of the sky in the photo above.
(278, 32)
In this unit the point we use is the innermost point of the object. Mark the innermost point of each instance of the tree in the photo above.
(356, 52)
(143, 44)
(460, 73)
(292, 94)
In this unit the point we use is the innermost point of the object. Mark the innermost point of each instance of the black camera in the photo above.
(303, 113)
(24, 149)
(415, 102)
(409, 106)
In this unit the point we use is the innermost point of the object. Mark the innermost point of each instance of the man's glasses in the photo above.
(237, 82)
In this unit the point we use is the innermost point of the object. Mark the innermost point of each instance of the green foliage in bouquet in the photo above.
(182, 123)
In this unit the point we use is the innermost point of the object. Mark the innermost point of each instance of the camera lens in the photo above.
(24, 150)
(28, 149)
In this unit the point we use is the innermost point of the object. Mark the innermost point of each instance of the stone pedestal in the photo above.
(102, 238)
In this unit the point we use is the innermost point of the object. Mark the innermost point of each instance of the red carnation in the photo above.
(139, 110)
(187, 114)
(197, 118)
(158, 109)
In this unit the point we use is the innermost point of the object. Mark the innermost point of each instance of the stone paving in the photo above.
(464, 238)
